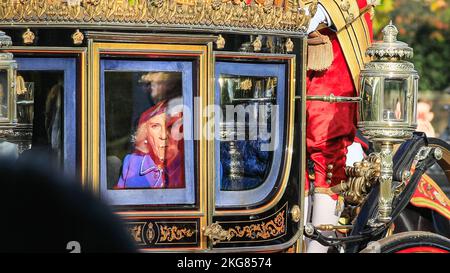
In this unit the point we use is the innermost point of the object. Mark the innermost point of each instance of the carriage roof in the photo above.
(171, 15)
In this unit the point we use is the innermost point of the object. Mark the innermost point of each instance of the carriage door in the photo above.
(148, 158)
(257, 187)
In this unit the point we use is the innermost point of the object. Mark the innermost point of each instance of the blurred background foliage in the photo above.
(424, 25)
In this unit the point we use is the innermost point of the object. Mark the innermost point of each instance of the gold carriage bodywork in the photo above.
(195, 15)
(100, 27)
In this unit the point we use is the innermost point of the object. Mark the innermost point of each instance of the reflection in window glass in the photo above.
(40, 108)
(395, 91)
(144, 130)
(244, 162)
(370, 99)
(3, 94)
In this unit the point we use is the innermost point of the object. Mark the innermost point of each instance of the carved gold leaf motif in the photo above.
(174, 233)
(175, 13)
(263, 230)
(136, 233)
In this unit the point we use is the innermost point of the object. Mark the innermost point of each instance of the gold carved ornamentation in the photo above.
(150, 232)
(136, 233)
(73, 3)
(28, 37)
(213, 14)
(289, 46)
(296, 214)
(174, 233)
(78, 37)
(257, 44)
(263, 230)
(216, 233)
(220, 42)
(361, 177)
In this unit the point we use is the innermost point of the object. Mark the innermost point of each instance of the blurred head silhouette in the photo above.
(163, 85)
(44, 211)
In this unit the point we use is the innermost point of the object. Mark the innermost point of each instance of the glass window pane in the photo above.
(251, 124)
(40, 108)
(147, 152)
(3, 94)
(370, 97)
(395, 91)
(144, 122)
(245, 164)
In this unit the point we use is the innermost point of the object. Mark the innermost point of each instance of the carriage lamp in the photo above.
(8, 70)
(387, 116)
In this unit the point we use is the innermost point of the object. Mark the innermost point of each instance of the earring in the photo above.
(145, 141)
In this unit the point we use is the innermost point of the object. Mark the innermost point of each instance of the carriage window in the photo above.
(395, 91)
(250, 130)
(370, 88)
(3, 94)
(245, 154)
(145, 149)
(46, 108)
(40, 108)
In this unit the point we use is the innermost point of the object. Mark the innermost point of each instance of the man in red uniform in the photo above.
(331, 127)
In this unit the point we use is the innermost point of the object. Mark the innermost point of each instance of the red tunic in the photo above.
(331, 127)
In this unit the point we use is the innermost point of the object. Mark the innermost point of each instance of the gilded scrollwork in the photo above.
(174, 13)
(174, 233)
(216, 233)
(361, 178)
(136, 233)
(263, 230)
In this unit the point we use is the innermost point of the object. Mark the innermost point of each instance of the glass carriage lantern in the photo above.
(8, 70)
(387, 111)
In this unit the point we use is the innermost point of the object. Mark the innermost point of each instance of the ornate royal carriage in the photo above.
(87, 75)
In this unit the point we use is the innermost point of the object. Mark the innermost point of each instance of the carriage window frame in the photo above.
(251, 197)
(149, 197)
(69, 66)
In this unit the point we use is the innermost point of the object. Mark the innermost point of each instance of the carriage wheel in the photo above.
(411, 242)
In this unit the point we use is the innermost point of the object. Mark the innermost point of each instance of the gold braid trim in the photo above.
(327, 191)
(352, 33)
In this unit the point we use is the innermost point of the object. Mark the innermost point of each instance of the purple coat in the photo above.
(140, 171)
